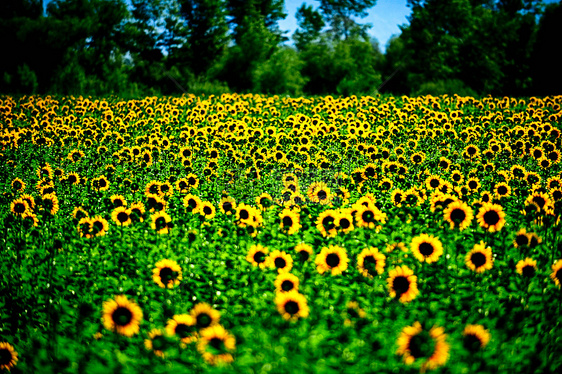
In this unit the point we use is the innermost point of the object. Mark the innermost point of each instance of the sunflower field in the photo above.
(266, 234)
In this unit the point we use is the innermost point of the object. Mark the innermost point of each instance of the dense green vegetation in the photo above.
(136, 48)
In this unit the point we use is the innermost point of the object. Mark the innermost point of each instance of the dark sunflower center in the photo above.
(472, 185)
(368, 216)
(287, 221)
(122, 316)
(292, 307)
(17, 185)
(102, 183)
(471, 151)
(400, 285)
(259, 257)
(19, 208)
(98, 226)
(227, 206)
(304, 255)
(166, 275)
(280, 263)
(344, 223)
(421, 345)
(160, 223)
(559, 275)
(370, 264)
(164, 188)
(456, 177)
(328, 223)
(491, 217)
(244, 214)
(203, 320)
(5, 357)
(122, 217)
(426, 249)
(117, 203)
(502, 190)
(539, 200)
(417, 159)
(458, 215)
(478, 259)
(471, 343)
(182, 330)
(264, 201)
(158, 343)
(333, 260)
(434, 183)
(322, 195)
(217, 344)
(287, 285)
(522, 240)
(207, 210)
(528, 271)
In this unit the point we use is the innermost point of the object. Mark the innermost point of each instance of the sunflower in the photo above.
(50, 203)
(118, 200)
(207, 210)
(286, 282)
(491, 217)
(216, 345)
(290, 221)
(264, 201)
(352, 313)
(521, 239)
(227, 205)
(556, 274)
(458, 213)
(540, 199)
(99, 225)
(280, 260)
(30, 200)
(182, 326)
(475, 337)
(319, 192)
(165, 189)
(370, 262)
(292, 305)
(18, 185)
(29, 219)
(402, 283)
(304, 251)
(19, 207)
(192, 203)
(100, 183)
(85, 228)
(426, 248)
(167, 273)
(121, 216)
(369, 217)
(204, 315)
(526, 267)
(8, 356)
(161, 222)
(326, 223)
(480, 259)
(257, 256)
(416, 344)
(137, 210)
(332, 258)
(433, 182)
(152, 187)
(473, 184)
(344, 220)
(502, 190)
(156, 342)
(122, 316)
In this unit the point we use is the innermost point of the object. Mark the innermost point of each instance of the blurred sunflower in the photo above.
(475, 338)
(521, 239)
(304, 251)
(204, 315)
(167, 273)
(458, 213)
(227, 205)
(8, 356)
(264, 201)
(182, 326)
(192, 203)
(491, 217)
(161, 222)
(526, 267)
(502, 190)
(292, 305)
(290, 221)
(118, 200)
(121, 216)
(416, 344)
(402, 283)
(353, 313)
(370, 262)
(326, 223)
(480, 259)
(122, 316)
(156, 342)
(257, 256)
(17, 185)
(216, 345)
(286, 282)
(137, 211)
(99, 225)
(556, 274)
(281, 261)
(207, 210)
(19, 207)
(426, 248)
(332, 258)
(50, 203)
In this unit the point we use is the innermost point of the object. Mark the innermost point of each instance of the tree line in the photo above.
(157, 47)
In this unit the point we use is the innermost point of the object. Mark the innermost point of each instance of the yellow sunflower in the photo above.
(286, 282)
(415, 344)
(257, 256)
(556, 274)
(402, 283)
(156, 342)
(182, 326)
(122, 316)
(167, 273)
(475, 337)
(292, 305)
(480, 259)
(280, 260)
(370, 262)
(459, 214)
(332, 258)
(526, 267)
(8, 356)
(205, 315)
(426, 248)
(491, 217)
(216, 345)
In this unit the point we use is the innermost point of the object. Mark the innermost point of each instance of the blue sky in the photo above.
(385, 17)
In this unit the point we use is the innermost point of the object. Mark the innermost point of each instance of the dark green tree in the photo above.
(310, 24)
(339, 15)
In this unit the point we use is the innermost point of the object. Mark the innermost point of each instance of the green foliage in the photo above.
(280, 74)
(445, 87)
